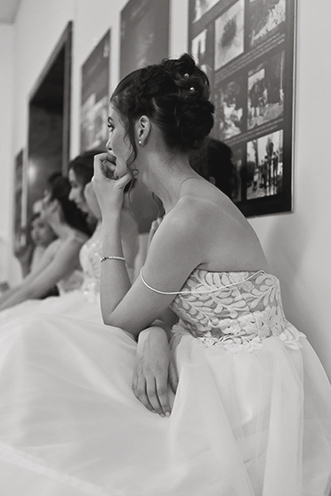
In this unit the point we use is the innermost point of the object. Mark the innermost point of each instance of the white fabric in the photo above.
(247, 420)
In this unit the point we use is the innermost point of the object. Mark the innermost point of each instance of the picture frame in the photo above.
(144, 34)
(246, 47)
(19, 220)
(95, 74)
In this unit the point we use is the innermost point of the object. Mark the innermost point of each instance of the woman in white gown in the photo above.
(79, 290)
(59, 264)
(251, 414)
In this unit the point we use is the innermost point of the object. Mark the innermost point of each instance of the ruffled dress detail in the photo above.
(251, 416)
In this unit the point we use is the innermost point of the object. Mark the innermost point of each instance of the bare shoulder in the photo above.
(52, 248)
(199, 211)
(73, 242)
(214, 225)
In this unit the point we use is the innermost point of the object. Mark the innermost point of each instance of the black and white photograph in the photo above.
(237, 160)
(230, 107)
(265, 166)
(252, 84)
(165, 320)
(95, 96)
(266, 91)
(19, 232)
(265, 18)
(144, 34)
(229, 34)
(201, 7)
(202, 51)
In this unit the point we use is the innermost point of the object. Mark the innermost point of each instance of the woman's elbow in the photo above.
(109, 320)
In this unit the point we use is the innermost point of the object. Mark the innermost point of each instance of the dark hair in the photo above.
(214, 161)
(82, 165)
(174, 95)
(59, 188)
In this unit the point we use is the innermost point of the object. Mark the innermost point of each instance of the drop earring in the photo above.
(139, 141)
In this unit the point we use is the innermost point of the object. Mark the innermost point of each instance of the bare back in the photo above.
(229, 241)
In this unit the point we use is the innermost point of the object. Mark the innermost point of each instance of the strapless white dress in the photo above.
(251, 416)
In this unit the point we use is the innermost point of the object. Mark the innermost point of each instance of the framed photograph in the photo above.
(144, 34)
(19, 197)
(246, 47)
(95, 97)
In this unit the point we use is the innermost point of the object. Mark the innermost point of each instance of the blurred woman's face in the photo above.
(77, 192)
(41, 233)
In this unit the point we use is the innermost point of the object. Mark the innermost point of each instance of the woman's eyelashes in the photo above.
(110, 124)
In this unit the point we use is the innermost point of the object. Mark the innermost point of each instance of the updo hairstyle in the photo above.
(174, 95)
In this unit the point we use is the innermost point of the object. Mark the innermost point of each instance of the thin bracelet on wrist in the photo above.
(112, 257)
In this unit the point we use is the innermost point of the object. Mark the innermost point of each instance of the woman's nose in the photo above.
(108, 145)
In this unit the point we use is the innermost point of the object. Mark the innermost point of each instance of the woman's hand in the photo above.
(154, 371)
(107, 185)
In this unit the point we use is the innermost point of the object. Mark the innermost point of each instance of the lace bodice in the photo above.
(235, 310)
(90, 261)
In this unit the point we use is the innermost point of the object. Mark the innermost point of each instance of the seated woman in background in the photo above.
(60, 263)
(84, 299)
(80, 173)
(213, 161)
(40, 236)
(82, 193)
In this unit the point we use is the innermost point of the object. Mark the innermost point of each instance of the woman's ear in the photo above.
(143, 129)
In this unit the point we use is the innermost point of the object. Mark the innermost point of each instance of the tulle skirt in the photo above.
(243, 424)
(71, 304)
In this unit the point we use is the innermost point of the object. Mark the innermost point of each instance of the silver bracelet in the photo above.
(112, 257)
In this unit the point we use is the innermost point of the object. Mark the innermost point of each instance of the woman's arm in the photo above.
(155, 371)
(167, 267)
(25, 255)
(35, 285)
(45, 261)
(169, 261)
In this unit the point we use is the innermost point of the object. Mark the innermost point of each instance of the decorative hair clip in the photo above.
(192, 88)
(186, 75)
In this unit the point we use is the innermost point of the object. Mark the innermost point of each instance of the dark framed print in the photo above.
(95, 96)
(144, 34)
(246, 47)
(19, 207)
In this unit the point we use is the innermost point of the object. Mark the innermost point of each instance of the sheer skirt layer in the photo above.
(243, 424)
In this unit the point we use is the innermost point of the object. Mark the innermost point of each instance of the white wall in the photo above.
(6, 146)
(298, 244)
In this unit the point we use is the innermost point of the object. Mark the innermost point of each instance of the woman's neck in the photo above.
(61, 229)
(166, 180)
